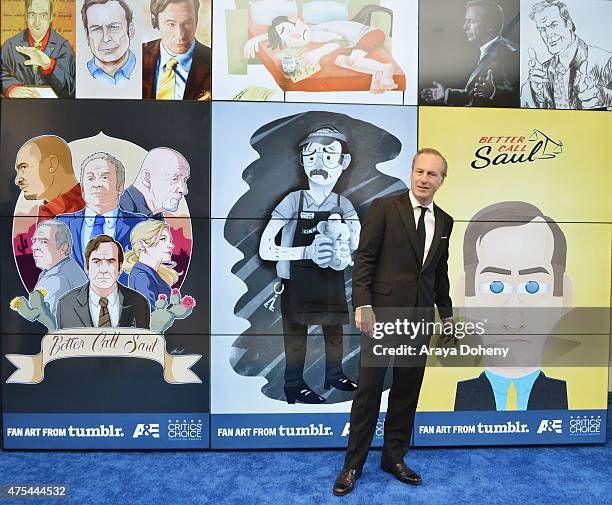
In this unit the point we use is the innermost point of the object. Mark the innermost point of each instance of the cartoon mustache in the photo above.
(319, 171)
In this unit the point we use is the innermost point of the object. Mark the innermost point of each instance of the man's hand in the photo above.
(36, 57)
(538, 76)
(435, 94)
(21, 92)
(588, 94)
(365, 320)
(448, 332)
(485, 87)
(321, 250)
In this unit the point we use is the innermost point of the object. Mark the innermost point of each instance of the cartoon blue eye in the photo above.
(533, 287)
(495, 287)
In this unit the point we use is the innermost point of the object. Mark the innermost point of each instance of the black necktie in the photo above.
(421, 232)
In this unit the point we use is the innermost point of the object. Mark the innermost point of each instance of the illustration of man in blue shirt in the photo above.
(109, 25)
(514, 274)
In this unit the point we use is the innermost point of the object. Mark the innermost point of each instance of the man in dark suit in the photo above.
(514, 278)
(543, 393)
(102, 183)
(494, 82)
(401, 262)
(37, 56)
(177, 66)
(103, 302)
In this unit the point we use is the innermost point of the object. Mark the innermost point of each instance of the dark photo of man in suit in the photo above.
(402, 262)
(494, 81)
(176, 66)
(103, 302)
(514, 269)
(37, 56)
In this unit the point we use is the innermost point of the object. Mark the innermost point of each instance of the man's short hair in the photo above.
(430, 150)
(502, 215)
(158, 6)
(62, 234)
(28, 3)
(493, 13)
(563, 12)
(53, 145)
(95, 242)
(129, 15)
(119, 168)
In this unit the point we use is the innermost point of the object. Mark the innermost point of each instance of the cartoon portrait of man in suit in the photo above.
(514, 260)
(176, 66)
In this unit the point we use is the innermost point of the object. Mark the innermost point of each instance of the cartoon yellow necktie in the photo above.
(165, 89)
(512, 397)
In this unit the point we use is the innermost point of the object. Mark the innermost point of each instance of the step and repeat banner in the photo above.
(160, 285)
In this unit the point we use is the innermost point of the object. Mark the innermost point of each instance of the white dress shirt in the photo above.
(110, 221)
(115, 302)
(430, 221)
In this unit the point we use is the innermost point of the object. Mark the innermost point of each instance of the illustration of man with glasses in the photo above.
(313, 287)
(37, 58)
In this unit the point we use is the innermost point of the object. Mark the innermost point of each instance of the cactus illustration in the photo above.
(167, 311)
(35, 308)
(22, 247)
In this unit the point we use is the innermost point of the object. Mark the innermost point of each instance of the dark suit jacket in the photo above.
(387, 271)
(477, 394)
(198, 82)
(125, 222)
(13, 71)
(503, 59)
(73, 309)
(147, 281)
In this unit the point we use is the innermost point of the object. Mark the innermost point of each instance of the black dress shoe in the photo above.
(302, 394)
(345, 482)
(343, 384)
(402, 472)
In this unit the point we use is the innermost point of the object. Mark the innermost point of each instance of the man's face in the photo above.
(294, 34)
(177, 26)
(33, 174)
(103, 267)
(514, 285)
(323, 164)
(475, 27)
(553, 31)
(108, 33)
(426, 176)
(169, 184)
(38, 18)
(44, 248)
(99, 184)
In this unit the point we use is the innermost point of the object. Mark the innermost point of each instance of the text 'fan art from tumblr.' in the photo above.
(286, 248)
(316, 51)
(101, 290)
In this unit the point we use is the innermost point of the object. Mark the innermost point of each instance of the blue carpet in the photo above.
(528, 475)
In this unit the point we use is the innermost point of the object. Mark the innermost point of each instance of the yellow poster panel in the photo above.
(529, 191)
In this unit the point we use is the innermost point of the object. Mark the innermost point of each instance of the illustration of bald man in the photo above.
(160, 184)
(44, 172)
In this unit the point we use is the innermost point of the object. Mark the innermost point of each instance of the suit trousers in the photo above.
(399, 420)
